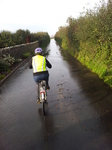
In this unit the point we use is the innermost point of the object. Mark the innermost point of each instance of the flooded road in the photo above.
(79, 112)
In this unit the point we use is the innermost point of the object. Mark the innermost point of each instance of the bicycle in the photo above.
(43, 95)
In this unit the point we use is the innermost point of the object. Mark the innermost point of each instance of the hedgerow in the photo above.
(89, 39)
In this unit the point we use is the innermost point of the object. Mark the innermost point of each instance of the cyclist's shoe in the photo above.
(38, 101)
(47, 87)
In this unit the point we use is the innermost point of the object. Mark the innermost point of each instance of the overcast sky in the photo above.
(40, 15)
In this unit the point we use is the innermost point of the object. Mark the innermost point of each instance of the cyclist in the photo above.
(39, 64)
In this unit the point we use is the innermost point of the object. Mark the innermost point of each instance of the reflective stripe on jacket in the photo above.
(39, 63)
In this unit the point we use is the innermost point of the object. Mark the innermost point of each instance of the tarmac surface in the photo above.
(79, 111)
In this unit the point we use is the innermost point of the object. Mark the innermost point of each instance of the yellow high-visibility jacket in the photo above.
(39, 63)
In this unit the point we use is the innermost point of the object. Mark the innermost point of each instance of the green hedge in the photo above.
(89, 39)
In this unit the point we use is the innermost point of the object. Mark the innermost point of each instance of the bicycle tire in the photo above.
(39, 91)
(41, 84)
(44, 108)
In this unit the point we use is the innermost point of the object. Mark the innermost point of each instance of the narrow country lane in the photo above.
(79, 112)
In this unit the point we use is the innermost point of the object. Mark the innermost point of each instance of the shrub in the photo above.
(4, 66)
(26, 55)
(18, 60)
(2, 76)
(9, 59)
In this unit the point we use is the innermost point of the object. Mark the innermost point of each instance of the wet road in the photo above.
(79, 112)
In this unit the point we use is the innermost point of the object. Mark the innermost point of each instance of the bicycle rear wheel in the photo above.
(44, 108)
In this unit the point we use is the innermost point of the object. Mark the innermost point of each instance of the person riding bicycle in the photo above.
(39, 64)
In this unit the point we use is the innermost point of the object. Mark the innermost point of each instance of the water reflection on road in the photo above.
(78, 114)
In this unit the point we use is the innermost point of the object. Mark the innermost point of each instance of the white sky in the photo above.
(39, 15)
